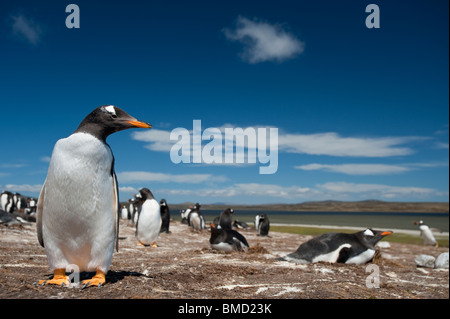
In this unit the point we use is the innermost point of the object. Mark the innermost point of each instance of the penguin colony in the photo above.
(83, 230)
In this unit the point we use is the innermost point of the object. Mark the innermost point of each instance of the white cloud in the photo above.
(266, 193)
(128, 189)
(247, 189)
(377, 190)
(140, 176)
(263, 41)
(45, 159)
(26, 29)
(158, 140)
(22, 188)
(331, 143)
(356, 169)
(441, 145)
(334, 145)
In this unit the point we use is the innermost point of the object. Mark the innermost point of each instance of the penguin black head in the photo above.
(108, 119)
(374, 236)
(229, 211)
(145, 194)
(163, 202)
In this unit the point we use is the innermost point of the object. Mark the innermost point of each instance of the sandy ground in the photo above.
(183, 266)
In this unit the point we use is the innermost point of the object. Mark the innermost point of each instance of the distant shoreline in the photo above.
(373, 206)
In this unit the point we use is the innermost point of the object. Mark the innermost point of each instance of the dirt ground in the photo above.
(184, 267)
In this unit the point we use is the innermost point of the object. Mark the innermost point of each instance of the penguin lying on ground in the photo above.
(357, 248)
(227, 239)
(426, 234)
(149, 222)
(78, 207)
(240, 225)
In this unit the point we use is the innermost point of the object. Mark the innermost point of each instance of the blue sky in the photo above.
(361, 113)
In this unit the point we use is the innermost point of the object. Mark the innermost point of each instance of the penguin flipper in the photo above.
(39, 215)
(116, 210)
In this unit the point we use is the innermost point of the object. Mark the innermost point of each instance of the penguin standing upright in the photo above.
(165, 216)
(426, 234)
(262, 224)
(137, 203)
(356, 248)
(78, 207)
(227, 239)
(7, 202)
(149, 222)
(124, 212)
(130, 209)
(224, 220)
(196, 219)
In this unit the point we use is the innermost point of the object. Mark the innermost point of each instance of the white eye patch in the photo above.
(110, 109)
(368, 232)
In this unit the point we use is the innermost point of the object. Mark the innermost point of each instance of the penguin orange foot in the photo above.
(98, 280)
(59, 278)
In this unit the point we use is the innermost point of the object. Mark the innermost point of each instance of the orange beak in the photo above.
(386, 233)
(139, 124)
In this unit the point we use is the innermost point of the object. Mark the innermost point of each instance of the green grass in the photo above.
(394, 238)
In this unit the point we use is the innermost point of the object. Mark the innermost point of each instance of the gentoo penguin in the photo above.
(426, 234)
(124, 212)
(149, 222)
(130, 209)
(31, 206)
(165, 216)
(357, 248)
(137, 203)
(195, 218)
(184, 215)
(224, 220)
(240, 224)
(7, 202)
(78, 207)
(227, 239)
(262, 224)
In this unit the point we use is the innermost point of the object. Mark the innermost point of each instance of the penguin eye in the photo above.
(114, 116)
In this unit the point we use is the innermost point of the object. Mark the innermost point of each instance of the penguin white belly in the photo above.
(124, 213)
(362, 258)
(149, 222)
(427, 235)
(332, 256)
(196, 222)
(223, 247)
(3, 201)
(78, 223)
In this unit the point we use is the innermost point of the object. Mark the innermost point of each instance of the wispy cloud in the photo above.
(22, 188)
(330, 144)
(247, 189)
(270, 193)
(263, 41)
(45, 159)
(356, 169)
(337, 189)
(333, 144)
(26, 29)
(142, 176)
